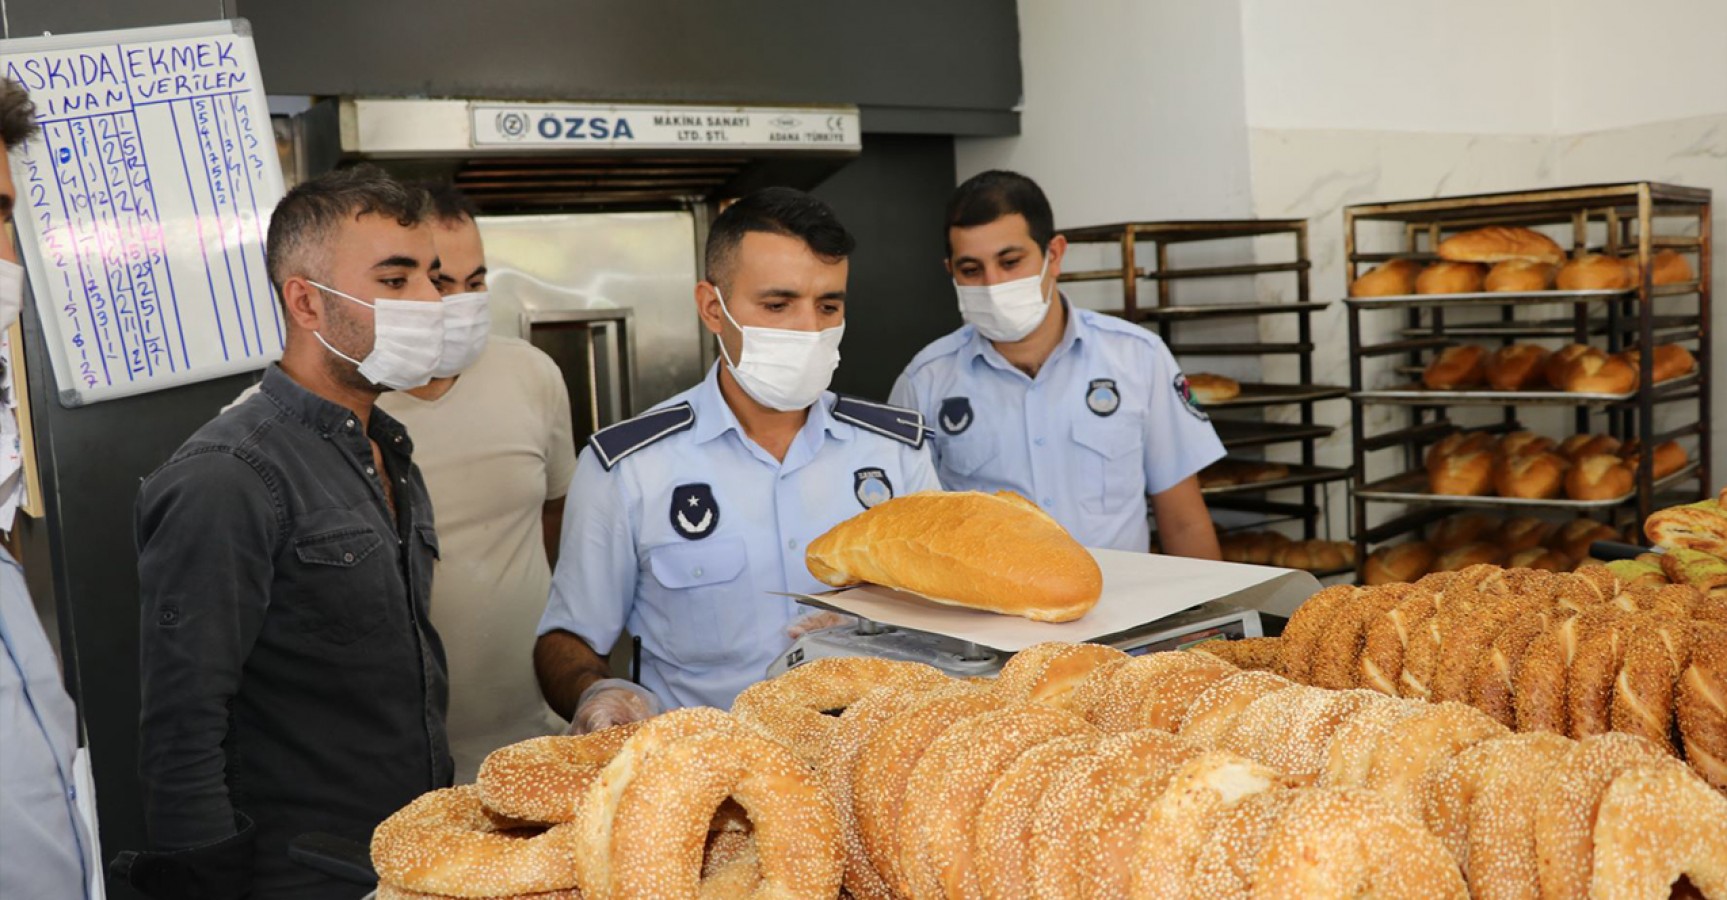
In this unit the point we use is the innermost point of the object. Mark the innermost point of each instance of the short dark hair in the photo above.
(776, 210)
(301, 226)
(17, 114)
(448, 204)
(988, 196)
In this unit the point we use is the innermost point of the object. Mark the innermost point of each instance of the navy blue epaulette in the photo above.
(612, 443)
(903, 425)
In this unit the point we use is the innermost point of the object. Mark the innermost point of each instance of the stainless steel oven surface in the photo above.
(645, 262)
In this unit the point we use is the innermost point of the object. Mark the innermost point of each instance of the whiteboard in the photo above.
(143, 204)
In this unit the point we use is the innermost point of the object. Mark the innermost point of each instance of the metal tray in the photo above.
(1227, 310)
(1415, 395)
(1237, 433)
(1411, 488)
(1493, 298)
(1298, 476)
(1550, 328)
(1261, 394)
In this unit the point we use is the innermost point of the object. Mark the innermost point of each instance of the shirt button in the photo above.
(371, 471)
(1038, 442)
(72, 793)
(697, 572)
(792, 544)
(347, 557)
(398, 439)
(350, 423)
(1048, 502)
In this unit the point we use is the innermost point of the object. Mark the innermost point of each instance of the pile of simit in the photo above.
(1578, 654)
(1080, 772)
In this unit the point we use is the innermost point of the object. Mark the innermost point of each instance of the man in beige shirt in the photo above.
(493, 440)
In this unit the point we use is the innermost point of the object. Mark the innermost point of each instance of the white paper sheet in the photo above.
(1137, 588)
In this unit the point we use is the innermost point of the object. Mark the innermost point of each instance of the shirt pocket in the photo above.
(343, 578)
(1111, 475)
(700, 600)
(966, 456)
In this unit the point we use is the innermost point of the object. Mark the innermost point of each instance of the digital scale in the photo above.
(1215, 620)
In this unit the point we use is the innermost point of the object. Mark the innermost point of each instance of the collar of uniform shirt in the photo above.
(1073, 334)
(714, 416)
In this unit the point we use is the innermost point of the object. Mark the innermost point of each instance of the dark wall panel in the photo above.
(959, 55)
(899, 297)
(27, 18)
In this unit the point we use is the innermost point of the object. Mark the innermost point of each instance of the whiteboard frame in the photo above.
(68, 391)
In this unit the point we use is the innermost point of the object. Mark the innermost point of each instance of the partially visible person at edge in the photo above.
(47, 850)
(492, 436)
(292, 681)
(1083, 413)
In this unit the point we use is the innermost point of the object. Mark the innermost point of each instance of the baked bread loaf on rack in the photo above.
(996, 552)
(1449, 278)
(1209, 388)
(1456, 367)
(1393, 279)
(1519, 276)
(1499, 243)
(1593, 272)
(1517, 367)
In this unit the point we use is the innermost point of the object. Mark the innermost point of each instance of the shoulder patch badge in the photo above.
(695, 514)
(1101, 396)
(1184, 393)
(612, 443)
(871, 487)
(955, 415)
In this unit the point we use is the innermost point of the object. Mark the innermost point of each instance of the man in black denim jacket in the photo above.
(292, 681)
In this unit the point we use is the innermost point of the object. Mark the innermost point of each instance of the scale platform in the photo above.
(1215, 620)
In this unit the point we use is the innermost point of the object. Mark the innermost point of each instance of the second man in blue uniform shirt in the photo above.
(1083, 413)
(684, 525)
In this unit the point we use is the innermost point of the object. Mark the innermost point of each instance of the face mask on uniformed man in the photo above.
(467, 325)
(782, 368)
(1007, 311)
(407, 341)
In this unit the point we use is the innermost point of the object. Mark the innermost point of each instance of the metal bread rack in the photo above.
(1634, 219)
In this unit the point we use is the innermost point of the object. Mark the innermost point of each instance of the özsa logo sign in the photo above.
(584, 128)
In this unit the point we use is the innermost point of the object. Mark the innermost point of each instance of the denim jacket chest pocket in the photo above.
(341, 575)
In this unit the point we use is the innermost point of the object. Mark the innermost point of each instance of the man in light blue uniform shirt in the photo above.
(683, 524)
(46, 848)
(1083, 413)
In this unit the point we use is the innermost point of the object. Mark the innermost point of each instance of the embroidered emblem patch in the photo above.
(955, 415)
(871, 486)
(695, 514)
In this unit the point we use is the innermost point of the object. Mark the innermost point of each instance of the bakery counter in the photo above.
(1411, 488)
(1259, 394)
(1275, 476)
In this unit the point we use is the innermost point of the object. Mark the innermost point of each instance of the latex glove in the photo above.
(816, 621)
(612, 701)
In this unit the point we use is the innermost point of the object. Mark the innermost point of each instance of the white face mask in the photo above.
(11, 293)
(780, 368)
(467, 324)
(1008, 311)
(407, 341)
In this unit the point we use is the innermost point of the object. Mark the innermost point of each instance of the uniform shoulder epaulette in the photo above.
(612, 443)
(903, 425)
